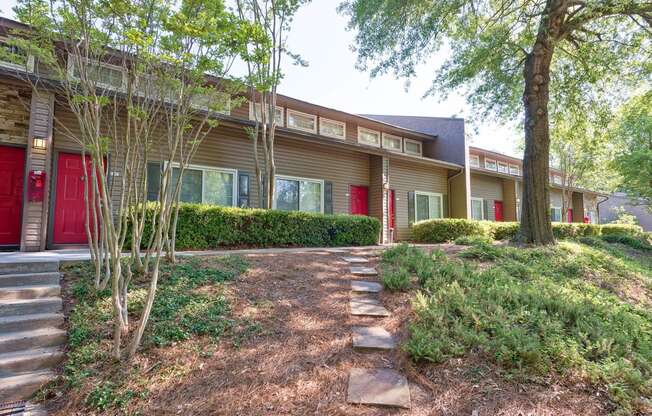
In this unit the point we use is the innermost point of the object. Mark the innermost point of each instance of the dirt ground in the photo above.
(298, 363)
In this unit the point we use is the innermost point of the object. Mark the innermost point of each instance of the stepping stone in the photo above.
(378, 386)
(355, 259)
(362, 286)
(372, 337)
(363, 271)
(367, 307)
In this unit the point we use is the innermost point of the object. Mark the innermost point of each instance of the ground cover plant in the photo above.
(192, 304)
(575, 310)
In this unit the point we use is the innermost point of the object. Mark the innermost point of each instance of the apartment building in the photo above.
(397, 169)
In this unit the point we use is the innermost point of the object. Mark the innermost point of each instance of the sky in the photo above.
(320, 37)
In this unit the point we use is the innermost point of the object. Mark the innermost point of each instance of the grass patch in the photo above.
(538, 312)
(190, 302)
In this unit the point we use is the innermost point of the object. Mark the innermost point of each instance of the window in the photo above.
(370, 137)
(278, 115)
(11, 56)
(207, 185)
(412, 147)
(299, 194)
(216, 101)
(514, 170)
(393, 143)
(474, 161)
(502, 167)
(489, 164)
(477, 208)
(556, 179)
(102, 74)
(428, 206)
(332, 128)
(555, 214)
(302, 121)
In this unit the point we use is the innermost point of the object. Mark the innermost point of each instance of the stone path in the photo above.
(372, 386)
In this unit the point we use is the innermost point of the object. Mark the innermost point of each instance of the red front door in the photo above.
(359, 200)
(70, 209)
(12, 172)
(392, 211)
(498, 209)
(569, 215)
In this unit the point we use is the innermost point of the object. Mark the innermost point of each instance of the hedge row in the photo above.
(206, 227)
(448, 229)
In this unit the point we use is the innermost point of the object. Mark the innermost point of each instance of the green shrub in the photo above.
(626, 229)
(446, 229)
(205, 227)
(472, 240)
(638, 243)
(504, 230)
(395, 278)
(574, 229)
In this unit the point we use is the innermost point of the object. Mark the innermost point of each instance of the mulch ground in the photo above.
(298, 363)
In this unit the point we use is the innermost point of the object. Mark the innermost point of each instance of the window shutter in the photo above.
(485, 208)
(153, 180)
(244, 186)
(411, 207)
(444, 204)
(328, 197)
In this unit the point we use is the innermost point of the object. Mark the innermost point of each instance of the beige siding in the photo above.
(488, 188)
(555, 198)
(376, 187)
(509, 199)
(341, 167)
(405, 177)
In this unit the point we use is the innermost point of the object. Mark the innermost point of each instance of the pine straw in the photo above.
(298, 364)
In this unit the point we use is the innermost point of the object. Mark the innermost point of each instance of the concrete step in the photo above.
(23, 386)
(30, 322)
(18, 362)
(28, 267)
(29, 292)
(26, 340)
(29, 306)
(20, 279)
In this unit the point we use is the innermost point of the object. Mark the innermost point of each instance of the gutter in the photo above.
(448, 187)
(597, 206)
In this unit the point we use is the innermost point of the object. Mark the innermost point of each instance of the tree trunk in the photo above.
(535, 218)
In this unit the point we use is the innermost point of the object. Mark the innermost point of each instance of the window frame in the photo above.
(289, 112)
(392, 137)
(204, 168)
(226, 111)
(299, 179)
(516, 167)
(482, 218)
(278, 108)
(328, 120)
(495, 168)
(560, 213)
(123, 84)
(474, 157)
(560, 182)
(364, 129)
(505, 166)
(428, 194)
(29, 66)
(406, 140)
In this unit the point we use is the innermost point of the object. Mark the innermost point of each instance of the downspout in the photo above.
(448, 185)
(597, 207)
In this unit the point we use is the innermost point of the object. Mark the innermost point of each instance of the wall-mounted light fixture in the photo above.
(39, 143)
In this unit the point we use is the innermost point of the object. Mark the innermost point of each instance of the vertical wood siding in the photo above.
(407, 177)
(35, 213)
(14, 114)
